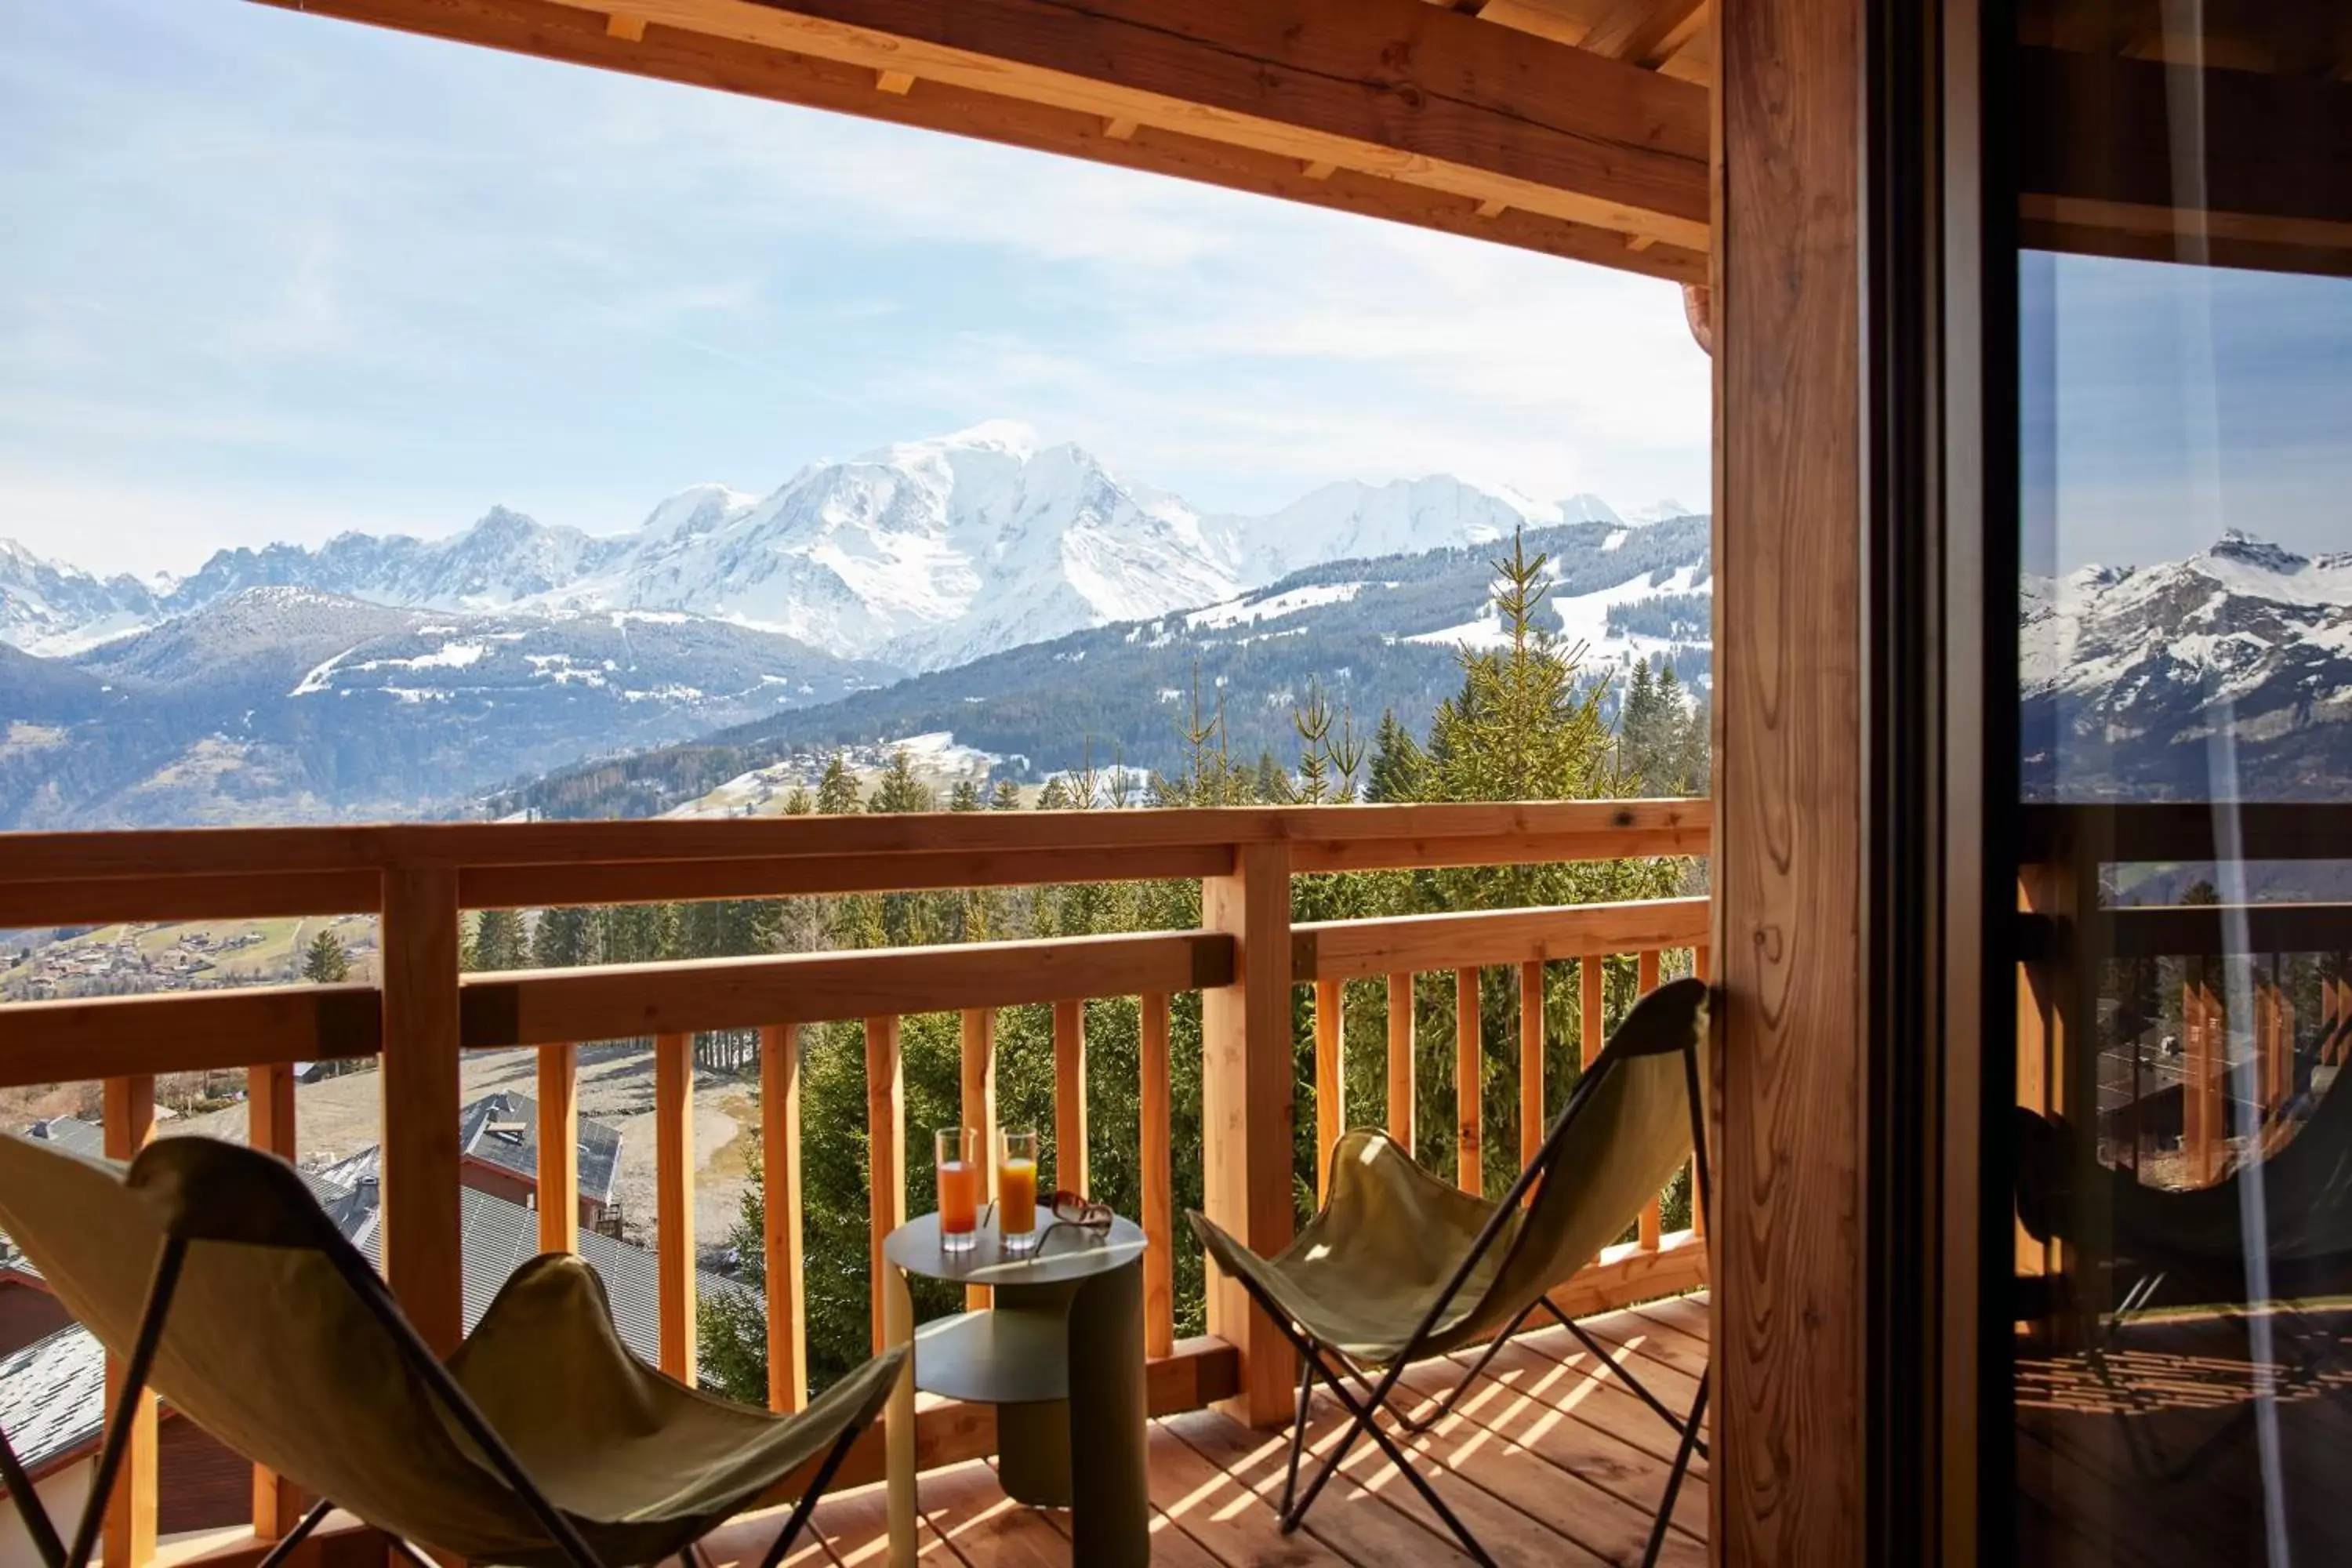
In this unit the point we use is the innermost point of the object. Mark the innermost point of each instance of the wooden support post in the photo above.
(1159, 1207)
(1401, 1081)
(559, 1149)
(1330, 1080)
(1532, 1120)
(886, 1168)
(979, 1103)
(780, 1171)
(128, 1535)
(1653, 1224)
(1070, 1095)
(424, 1253)
(674, 1200)
(1469, 1086)
(278, 1503)
(1246, 1112)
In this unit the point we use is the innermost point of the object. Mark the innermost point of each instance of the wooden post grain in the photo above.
(1469, 1086)
(1070, 1094)
(979, 1103)
(886, 1170)
(128, 1534)
(780, 1170)
(423, 1255)
(674, 1201)
(1330, 1080)
(1245, 1111)
(1159, 1207)
(559, 1149)
(1592, 990)
(1400, 1079)
(278, 1503)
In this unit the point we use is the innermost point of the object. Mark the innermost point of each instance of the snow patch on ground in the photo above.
(1248, 608)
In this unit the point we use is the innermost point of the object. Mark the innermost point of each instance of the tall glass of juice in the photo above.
(1016, 1191)
(959, 1167)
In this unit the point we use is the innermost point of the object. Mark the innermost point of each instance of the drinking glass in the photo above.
(1016, 1191)
(959, 1168)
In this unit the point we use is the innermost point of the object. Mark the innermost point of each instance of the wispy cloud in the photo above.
(285, 276)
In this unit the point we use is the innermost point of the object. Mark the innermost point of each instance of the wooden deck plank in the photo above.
(1223, 1515)
(1533, 1410)
(1546, 1462)
(1170, 1544)
(1358, 1524)
(1654, 1345)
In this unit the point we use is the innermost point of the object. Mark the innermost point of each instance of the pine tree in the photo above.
(1005, 796)
(498, 941)
(562, 939)
(1400, 767)
(837, 793)
(900, 789)
(325, 961)
(1056, 795)
(965, 796)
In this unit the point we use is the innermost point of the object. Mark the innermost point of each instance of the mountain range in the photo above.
(919, 556)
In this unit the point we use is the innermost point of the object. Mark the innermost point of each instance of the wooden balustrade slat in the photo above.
(128, 1532)
(1070, 1094)
(1245, 1111)
(1532, 1120)
(530, 1007)
(1355, 949)
(1331, 1082)
(424, 1253)
(1591, 994)
(780, 1170)
(674, 1201)
(979, 1103)
(1469, 1084)
(1400, 1075)
(1645, 980)
(278, 1503)
(1159, 1204)
(232, 896)
(885, 1171)
(558, 1178)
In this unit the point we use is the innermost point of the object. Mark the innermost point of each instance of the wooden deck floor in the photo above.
(1545, 1463)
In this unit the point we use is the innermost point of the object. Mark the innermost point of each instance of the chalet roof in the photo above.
(72, 1134)
(53, 1395)
(502, 1129)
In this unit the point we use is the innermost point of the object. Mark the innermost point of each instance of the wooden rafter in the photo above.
(1423, 115)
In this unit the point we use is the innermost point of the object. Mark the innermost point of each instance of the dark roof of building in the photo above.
(502, 1129)
(52, 1396)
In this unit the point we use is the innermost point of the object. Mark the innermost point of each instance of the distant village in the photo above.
(140, 958)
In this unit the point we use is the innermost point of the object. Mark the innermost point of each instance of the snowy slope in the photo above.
(923, 555)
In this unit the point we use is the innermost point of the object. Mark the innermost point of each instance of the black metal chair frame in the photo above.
(372, 1291)
(1335, 1368)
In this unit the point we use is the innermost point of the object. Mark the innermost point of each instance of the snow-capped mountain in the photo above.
(2133, 675)
(923, 555)
(47, 608)
(286, 704)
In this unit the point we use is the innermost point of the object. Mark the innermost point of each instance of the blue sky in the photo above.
(274, 277)
(2162, 404)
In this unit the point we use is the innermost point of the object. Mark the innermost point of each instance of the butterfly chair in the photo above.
(210, 1270)
(2277, 1228)
(1401, 1265)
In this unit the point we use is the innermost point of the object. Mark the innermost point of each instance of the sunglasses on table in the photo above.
(1073, 1211)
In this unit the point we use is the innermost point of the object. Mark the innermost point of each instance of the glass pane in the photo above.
(2183, 1171)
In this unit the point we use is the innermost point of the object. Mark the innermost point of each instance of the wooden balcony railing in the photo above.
(1244, 960)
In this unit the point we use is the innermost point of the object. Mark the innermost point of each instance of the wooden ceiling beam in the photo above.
(552, 30)
(1646, 32)
(1394, 87)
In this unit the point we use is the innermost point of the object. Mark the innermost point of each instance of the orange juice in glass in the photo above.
(1016, 1191)
(959, 1170)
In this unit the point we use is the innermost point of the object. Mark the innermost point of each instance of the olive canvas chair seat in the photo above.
(211, 1272)
(1399, 1266)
